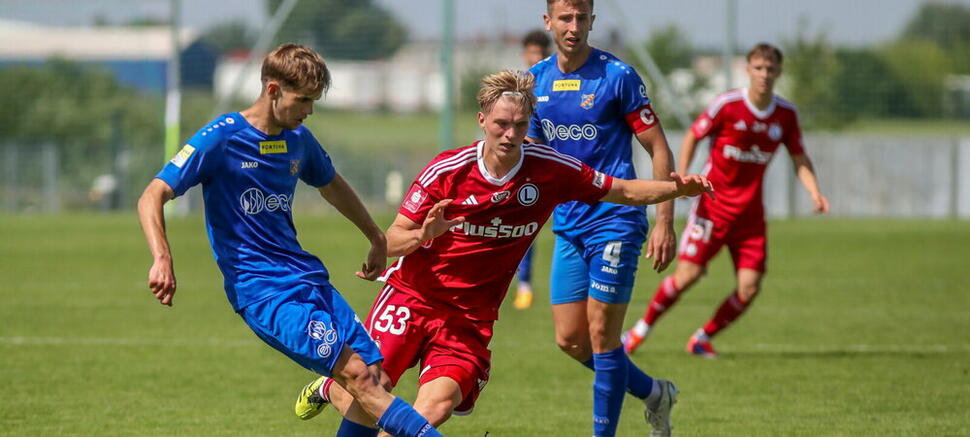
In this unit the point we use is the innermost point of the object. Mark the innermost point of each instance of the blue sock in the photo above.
(400, 420)
(609, 384)
(638, 383)
(351, 429)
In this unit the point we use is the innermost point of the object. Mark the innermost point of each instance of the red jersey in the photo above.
(744, 139)
(470, 266)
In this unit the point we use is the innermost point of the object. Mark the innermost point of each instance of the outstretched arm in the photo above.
(161, 276)
(687, 148)
(806, 175)
(405, 236)
(644, 192)
(662, 242)
(339, 194)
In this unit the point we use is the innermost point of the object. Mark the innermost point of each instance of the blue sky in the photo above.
(853, 22)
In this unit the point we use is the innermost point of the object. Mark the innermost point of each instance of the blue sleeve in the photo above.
(193, 164)
(317, 168)
(630, 91)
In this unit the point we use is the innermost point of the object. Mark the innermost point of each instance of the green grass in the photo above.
(862, 329)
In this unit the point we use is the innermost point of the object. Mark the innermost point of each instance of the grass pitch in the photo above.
(862, 329)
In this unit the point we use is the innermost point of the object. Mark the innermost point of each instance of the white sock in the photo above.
(700, 335)
(641, 329)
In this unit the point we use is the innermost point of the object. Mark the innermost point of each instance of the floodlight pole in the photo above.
(730, 41)
(447, 127)
(173, 96)
(173, 85)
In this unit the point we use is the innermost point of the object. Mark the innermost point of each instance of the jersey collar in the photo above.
(480, 149)
(754, 109)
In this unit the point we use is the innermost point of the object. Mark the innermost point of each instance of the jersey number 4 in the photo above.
(393, 320)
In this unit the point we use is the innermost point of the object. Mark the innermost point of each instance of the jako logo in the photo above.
(253, 201)
(570, 132)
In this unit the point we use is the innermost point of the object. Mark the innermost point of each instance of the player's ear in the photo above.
(592, 19)
(546, 20)
(273, 89)
(481, 120)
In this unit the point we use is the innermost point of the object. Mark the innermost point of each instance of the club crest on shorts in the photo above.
(528, 194)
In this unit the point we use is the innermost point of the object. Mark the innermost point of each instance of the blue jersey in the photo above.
(592, 114)
(248, 179)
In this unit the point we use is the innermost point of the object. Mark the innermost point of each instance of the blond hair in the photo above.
(296, 67)
(512, 83)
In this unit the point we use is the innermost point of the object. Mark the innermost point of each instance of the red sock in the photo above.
(325, 389)
(730, 310)
(665, 297)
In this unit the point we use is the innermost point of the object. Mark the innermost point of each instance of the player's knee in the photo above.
(747, 293)
(359, 380)
(438, 412)
(573, 345)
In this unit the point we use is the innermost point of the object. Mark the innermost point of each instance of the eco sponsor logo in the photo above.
(254, 201)
(319, 331)
(564, 132)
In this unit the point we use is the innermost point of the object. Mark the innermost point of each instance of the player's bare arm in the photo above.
(647, 192)
(161, 276)
(662, 242)
(687, 148)
(339, 194)
(806, 175)
(405, 236)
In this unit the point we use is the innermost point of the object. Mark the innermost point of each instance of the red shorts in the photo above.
(745, 238)
(445, 343)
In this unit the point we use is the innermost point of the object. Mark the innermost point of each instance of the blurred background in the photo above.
(99, 93)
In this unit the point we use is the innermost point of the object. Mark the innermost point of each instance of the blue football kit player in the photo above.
(589, 106)
(248, 164)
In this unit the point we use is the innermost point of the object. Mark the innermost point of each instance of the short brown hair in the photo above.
(550, 2)
(764, 50)
(296, 67)
(537, 38)
(514, 82)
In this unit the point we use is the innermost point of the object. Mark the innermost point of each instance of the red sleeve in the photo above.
(793, 136)
(589, 187)
(642, 119)
(708, 121)
(416, 203)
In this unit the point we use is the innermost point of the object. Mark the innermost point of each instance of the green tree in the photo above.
(670, 48)
(811, 72)
(234, 35)
(921, 67)
(947, 25)
(343, 29)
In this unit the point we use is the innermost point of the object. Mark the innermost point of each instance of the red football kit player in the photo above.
(747, 127)
(443, 294)
(441, 300)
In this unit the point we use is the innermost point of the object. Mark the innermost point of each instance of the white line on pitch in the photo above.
(33, 341)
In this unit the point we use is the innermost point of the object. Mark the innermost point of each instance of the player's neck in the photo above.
(760, 100)
(569, 63)
(500, 165)
(260, 116)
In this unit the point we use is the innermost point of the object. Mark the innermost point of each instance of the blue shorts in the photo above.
(602, 269)
(311, 324)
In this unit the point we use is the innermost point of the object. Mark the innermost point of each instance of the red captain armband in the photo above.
(642, 119)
